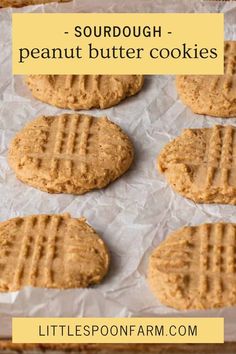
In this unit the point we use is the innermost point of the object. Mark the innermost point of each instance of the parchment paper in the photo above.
(134, 214)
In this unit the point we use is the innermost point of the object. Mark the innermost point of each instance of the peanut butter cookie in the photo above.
(213, 95)
(201, 164)
(194, 268)
(50, 251)
(84, 91)
(70, 153)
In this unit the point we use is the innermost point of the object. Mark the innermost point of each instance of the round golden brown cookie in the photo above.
(194, 268)
(200, 164)
(21, 3)
(70, 153)
(213, 95)
(50, 251)
(84, 91)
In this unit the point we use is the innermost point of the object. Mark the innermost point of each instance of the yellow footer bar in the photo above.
(118, 330)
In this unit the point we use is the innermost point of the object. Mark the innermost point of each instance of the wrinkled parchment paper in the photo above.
(134, 214)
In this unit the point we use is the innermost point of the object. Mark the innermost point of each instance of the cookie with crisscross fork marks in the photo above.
(84, 91)
(21, 3)
(70, 153)
(195, 267)
(213, 95)
(201, 164)
(50, 251)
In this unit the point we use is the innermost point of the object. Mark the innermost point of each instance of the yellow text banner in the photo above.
(118, 330)
(118, 43)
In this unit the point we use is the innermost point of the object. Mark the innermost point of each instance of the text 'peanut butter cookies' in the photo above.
(201, 164)
(84, 91)
(194, 268)
(213, 95)
(21, 3)
(70, 153)
(50, 251)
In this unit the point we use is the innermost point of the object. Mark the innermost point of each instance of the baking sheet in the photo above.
(134, 214)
